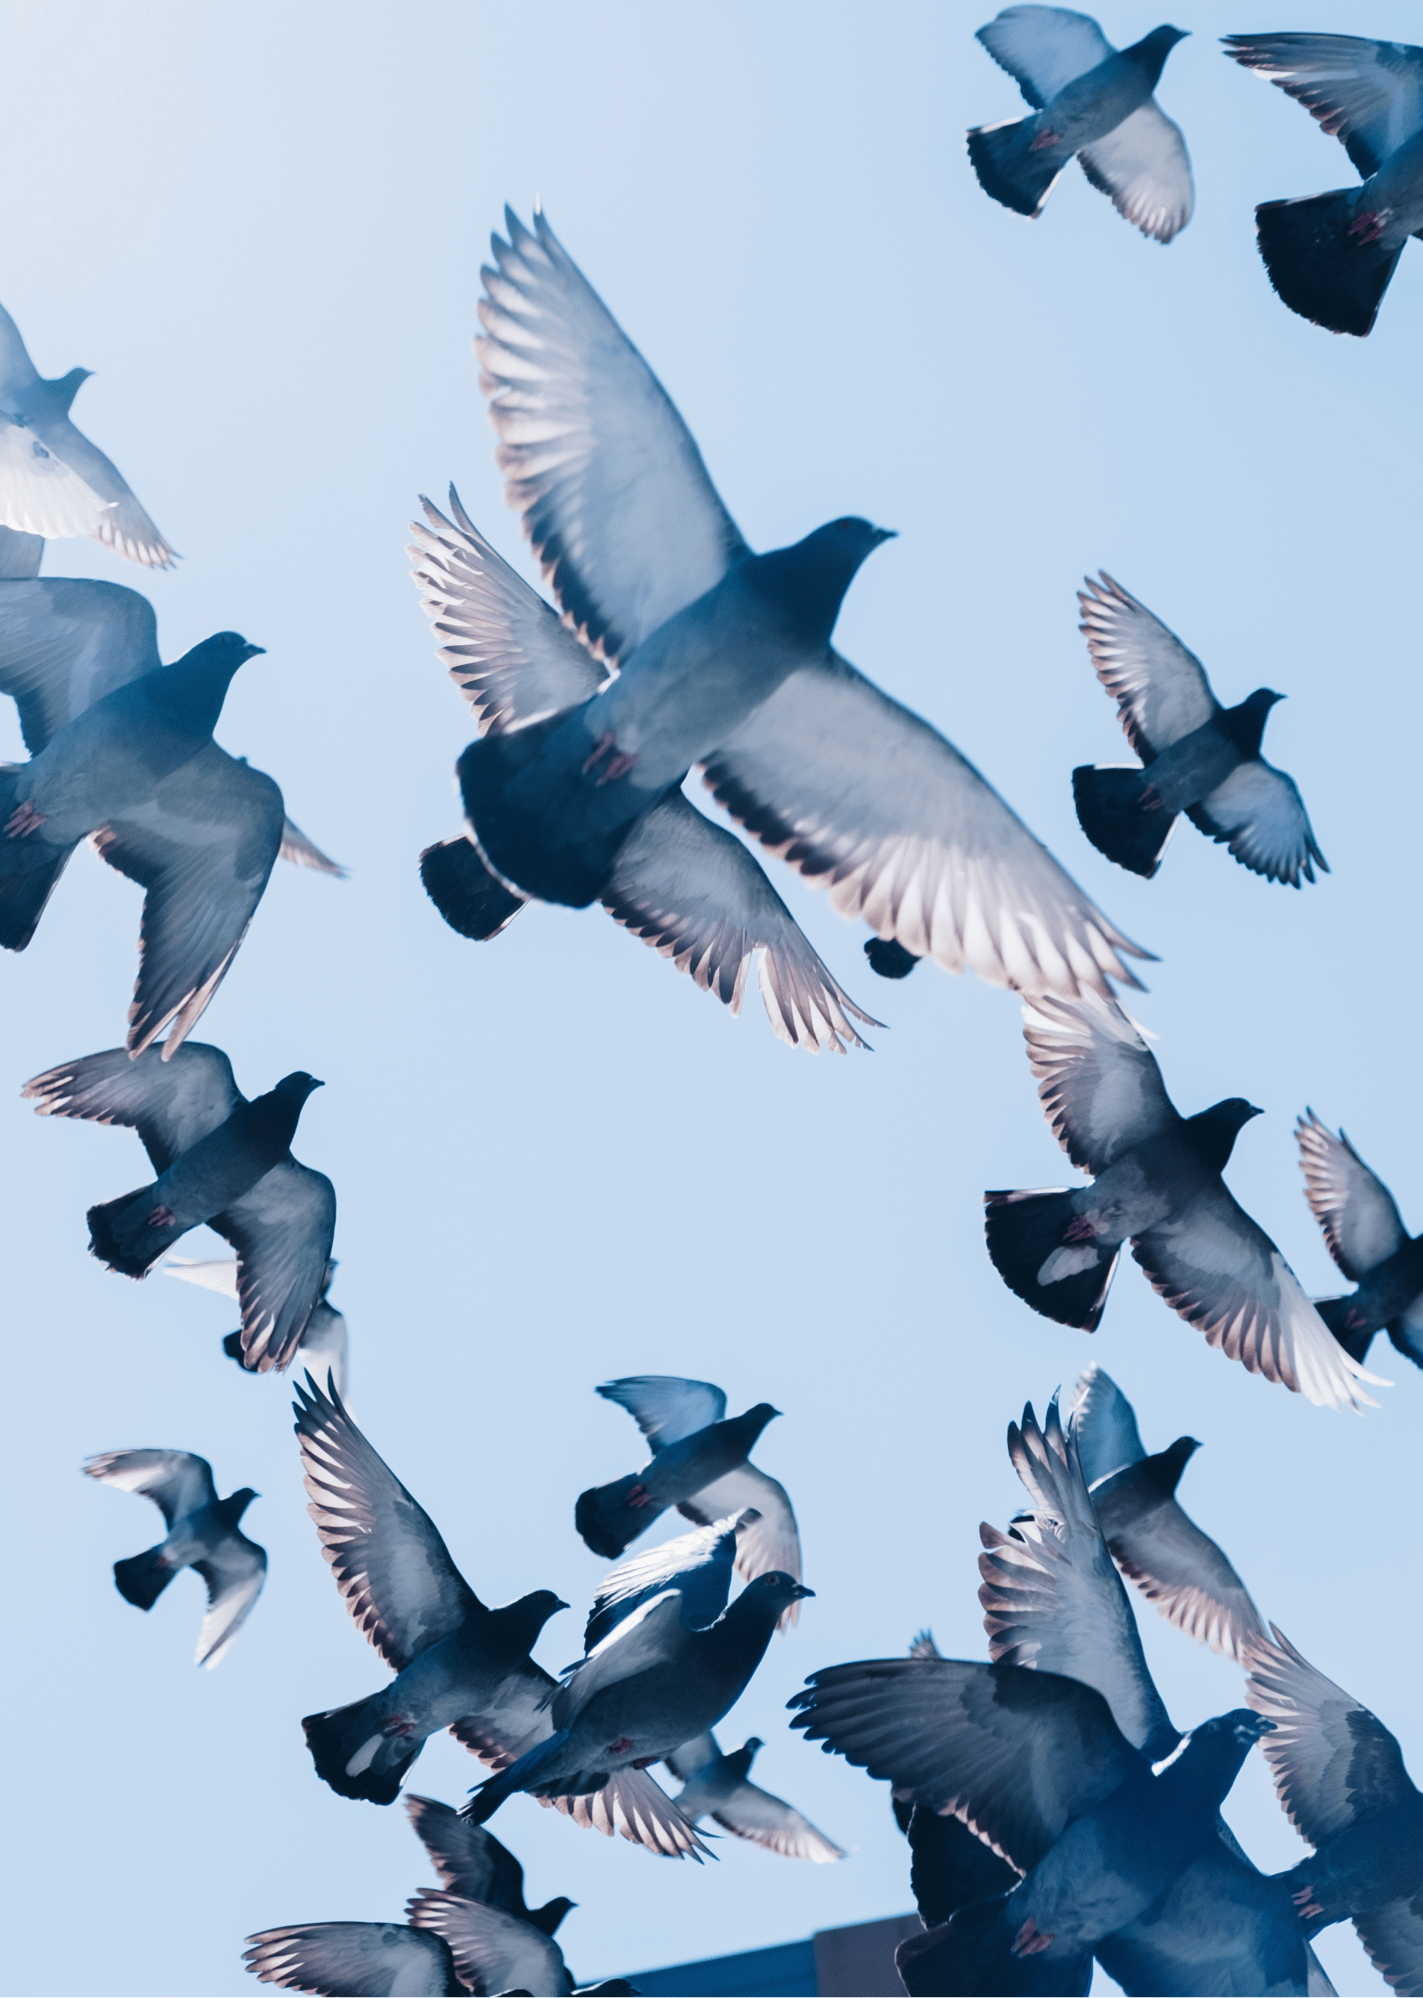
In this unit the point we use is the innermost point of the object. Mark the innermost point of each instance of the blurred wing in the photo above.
(390, 1564)
(1351, 1204)
(691, 890)
(612, 489)
(177, 1482)
(632, 1804)
(1259, 814)
(700, 1753)
(170, 1104)
(1042, 48)
(202, 848)
(1145, 171)
(39, 493)
(303, 852)
(220, 1275)
(698, 1564)
(1223, 1274)
(123, 525)
(323, 1347)
(866, 799)
(509, 654)
(282, 1232)
(17, 370)
(468, 1857)
(1393, 1937)
(1173, 1563)
(767, 1542)
(665, 1407)
(1098, 1081)
(64, 644)
(755, 1814)
(1102, 1423)
(492, 1950)
(1369, 95)
(1160, 688)
(234, 1573)
(353, 1959)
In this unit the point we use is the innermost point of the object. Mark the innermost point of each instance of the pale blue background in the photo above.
(557, 1161)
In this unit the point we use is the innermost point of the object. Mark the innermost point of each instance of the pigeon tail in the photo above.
(972, 1953)
(889, 958)
(607, 1522)
(488, 1796)
(1335, 1313)
(1062, 1276)
(1322, 262)
(142, 1579)
(1111, 813)
(561, 849)
(353, 1753)
(232, 1345)
(125, 1234)
(24, 893)
(474, 902)
(1012, 167)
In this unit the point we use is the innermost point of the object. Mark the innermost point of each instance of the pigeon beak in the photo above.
(885, 534)
(253, 651)
(1254, 1109)
(801, 1590)
(561, 1605)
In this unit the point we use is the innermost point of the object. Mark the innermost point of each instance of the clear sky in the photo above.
(556, 1160)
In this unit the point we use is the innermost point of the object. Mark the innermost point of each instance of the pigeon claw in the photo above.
(1368, 227)
(1304, 1900)
(618, 763)
(638, 1496)
(1354, 1321)
(1150, 799)
(599, 750)
(23, 820)
(1081, 1228)
(162, 1217)
(1030, 1941)
(620, 1746)
(1043, 141)
(398, 1725)
(618, 766)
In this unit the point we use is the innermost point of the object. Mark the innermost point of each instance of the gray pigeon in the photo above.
(203, 1533)
(1158, 1183)
(716, 1786)
(474, 1865)
(220, 1159)
(1331, 256)
(1092, 100)
(698, 1563)
(1368, 1240)
(1197, 757)
(495, 1951)
(723, 659)
(355, 1959)
(53, 481)
(122, 752)
(20, 555)
(322, 1348)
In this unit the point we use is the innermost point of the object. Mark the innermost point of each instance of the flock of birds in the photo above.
(1055, 1814)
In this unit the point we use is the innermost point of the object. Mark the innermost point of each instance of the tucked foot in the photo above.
(1080, 1229)
(1354, 1321)
(638, 1496)
(1151, 799)
(1308, 1907)
(646, 1761)
(618, 766)
(398, 1725)
(1368, 227)
(621, 1745)
(1043, 141)
(23, 820)
(599, 750)
(162, 1217)
(619, 762)
(1030, 1941)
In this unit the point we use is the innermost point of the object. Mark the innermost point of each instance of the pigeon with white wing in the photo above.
(718, 1787)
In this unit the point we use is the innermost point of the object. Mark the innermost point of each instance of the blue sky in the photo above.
(556, 1160)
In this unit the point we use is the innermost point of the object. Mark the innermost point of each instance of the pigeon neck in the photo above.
(739, 1762)
(522, 1621)
(1150, 53)
(275, 1116)
(803, 591)
(191, 693)
(60, 394)
(1162, 1473)
(743, 1430)
(231, 1509)
(1245, 724)
(1199, 1779)
(1212, 1134)
(547, 1918)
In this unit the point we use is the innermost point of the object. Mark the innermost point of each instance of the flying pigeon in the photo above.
(122, 753)
(474, 1865)
(495, 1951)
(203, 1533)
(1152, 1540)
(698, 1563)
(1341, 1779)
(699, 1464)
(716, 1786)
(1331, 256)
(1158, 1183)
(321, 1350)
(53, 482)
(1197, 757)
(645, 563)
(1368, 1240)
(220, 1159)
(1091, 100)
(680, 882)
(355, 1959)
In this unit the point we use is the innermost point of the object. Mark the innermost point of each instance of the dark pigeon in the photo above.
(699, 1564)
(1198, 757)
(355, 1960)
(121, 751)
(495, 1951)
(203, 1533)
(1341, 1779)
(473, 1864)
(322, 1348)
(220, 1159)
(1093, 101)
(1368, 1240)
(716, 1786)
(53, 481)
(1331, 256)
(1158, 1183)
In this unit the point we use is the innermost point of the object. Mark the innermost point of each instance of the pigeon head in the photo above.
(771, 1594)
(296, 1087)
(63, 391)
(807, 582)
(1207, 1760)
(1151, 51)
(190, 693)
(1213, 1132)
(527, 1617)
(231, 1509)
(1163, 1471)
(548, 1917)
(1245, 724)
(746, 1428)
(279, 1111)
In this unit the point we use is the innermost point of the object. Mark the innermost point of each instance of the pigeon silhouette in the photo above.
(122, 753)
(724, 660)
(716, 1786)
(322, 1347)
(53, 481)
(1090, 100)
(473, 1864)
(1331, 256)
(203, 1533)
(495, 1951)
(1368, 1240)
(1158, 1184)
(1197, 757)
(355, 1959)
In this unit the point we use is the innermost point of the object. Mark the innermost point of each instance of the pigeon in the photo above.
(1197, 757)
(322, 1346)
(699, 1564)
(473, 1864)
(681, 883)
(203, 1533)
(1331, 256)
(220, 1159)
(699, 1464)
(1158, 1182)
(495, 1951)
(1341, 1779)
(1152, 1540)
(644, 562)
(355, 1959)
(20, 555)
(1091, 100)
(53, 481)
(1368, 1240)
(715, 1786)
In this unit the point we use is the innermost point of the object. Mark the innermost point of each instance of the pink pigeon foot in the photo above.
(618, 766)
(398, 1725)
(638, 1496)
(1080, 1229)
(1043, 141)
(1367, 227)
(620, 1746)
(23, 820)
(1030, 1941)
(162, 1217)
(599, 750)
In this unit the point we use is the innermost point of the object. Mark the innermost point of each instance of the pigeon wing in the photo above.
(515, 1720)
(17, 370)
(1042, 48)
(650, 1637)
(699, 1564)
(864, 798)
(219, 1275)
(123, 525)
(611, 486)
(353, 1958)
(202, 848)
(638, 1809)
(468, 1857)
(177, 1482)
(1221, 1926)
(1369, 95)
(390, 1564)
(1102, 1423)
(754, 1814)
(281, 1230)
(65, 643)
(1223, 1274)
(510, 655)
(1143, 168)
(666, 1408)
(170, 1104)
(1160, 688)
(1259, 814)
(768, 1540)
(39, 493)
(1175, 1565)
(1393, 1936)
(1098, 1081)
(492, 1950)
(693, 891)
(304, 852)
(234, 1573)
(1351, 1204)
(700, 1753)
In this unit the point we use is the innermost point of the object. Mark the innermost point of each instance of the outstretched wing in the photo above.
(170, 1104)
(1259, 814)
(1352, 1205)
(639, 1810)
(767, 1540)
(1102, 1423)
(665, 1407)
(1145, 171)
(1042, 48)
(492, 1949)
(39, 493)
(234, 1573)
(754, 1814)
(177, 1482)
(1160, 688)
(1369, 95)
(354, 1958)
(123, 524)
(468, 1857)
(1098, 1081)
(282, 1230)
(65, 643)
(697, 1564)
(1175, 1565)
(304, 852)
